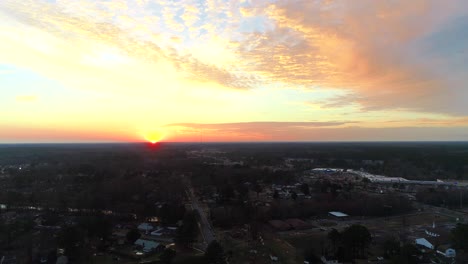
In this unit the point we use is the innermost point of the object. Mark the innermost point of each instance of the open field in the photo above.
(380, 228)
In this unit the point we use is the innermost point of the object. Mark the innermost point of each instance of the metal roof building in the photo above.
(338, 214)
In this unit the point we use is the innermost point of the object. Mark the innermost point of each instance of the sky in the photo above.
(243, 70)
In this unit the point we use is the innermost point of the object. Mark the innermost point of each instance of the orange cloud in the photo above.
(87, 33)
(424, 122)
(429, 128)
(248, 131)
(316, 131)
(362, 47)
(171, 62)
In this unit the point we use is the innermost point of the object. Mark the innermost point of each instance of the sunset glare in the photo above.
(154, 137)
(215, 70)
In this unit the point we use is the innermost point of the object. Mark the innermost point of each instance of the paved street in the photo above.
(205, 227)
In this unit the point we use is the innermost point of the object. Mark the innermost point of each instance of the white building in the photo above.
(423, 242)
(338, 214)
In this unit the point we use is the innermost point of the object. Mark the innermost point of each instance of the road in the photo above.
(205, 227)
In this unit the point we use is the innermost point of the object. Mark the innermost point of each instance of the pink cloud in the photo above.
(364, 47)
(453, 129)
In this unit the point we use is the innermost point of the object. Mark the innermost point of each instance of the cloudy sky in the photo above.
(251, 70)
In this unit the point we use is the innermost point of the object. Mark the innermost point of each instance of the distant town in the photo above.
(234, 203)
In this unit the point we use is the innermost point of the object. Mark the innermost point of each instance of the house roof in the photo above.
(157, 232)
(338, 214)
(424, 242)
(145, 226)
(147, 245)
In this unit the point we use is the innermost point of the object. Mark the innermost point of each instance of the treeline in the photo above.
(352, 204)
(442, 197)
(424, 161)
(126, 193)
(351, 243)
(219, 176)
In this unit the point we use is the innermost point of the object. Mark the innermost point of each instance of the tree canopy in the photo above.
(356, 238)
(187, 233)
(351, 243)
(167, 256)
(215, 253)
(133, 235)
(460, 236)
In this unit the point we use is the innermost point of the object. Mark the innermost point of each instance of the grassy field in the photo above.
(316, 240)
(425, 218)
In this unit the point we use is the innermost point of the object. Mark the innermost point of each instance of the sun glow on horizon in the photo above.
(154, 136)
(206, 71)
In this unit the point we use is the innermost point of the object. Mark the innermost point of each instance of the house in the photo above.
(432, 234)
(145, 227)
(326, 261)
(273, 258)
(450, 253)
(424, 242)
(148, 245)
(338, 214)
(158, 232)
(447, 251)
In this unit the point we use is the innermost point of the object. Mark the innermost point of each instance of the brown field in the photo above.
(380, 228)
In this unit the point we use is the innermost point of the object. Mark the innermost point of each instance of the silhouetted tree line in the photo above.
(188, 232)
(442, 197)
(350, 244)
(352, 204)
(396, 253)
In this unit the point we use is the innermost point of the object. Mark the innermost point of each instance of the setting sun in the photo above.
(231, 71)
(154, 136)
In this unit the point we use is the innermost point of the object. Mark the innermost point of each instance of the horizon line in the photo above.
(228, 142)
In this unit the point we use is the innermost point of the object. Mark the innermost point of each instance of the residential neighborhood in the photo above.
(182, 205)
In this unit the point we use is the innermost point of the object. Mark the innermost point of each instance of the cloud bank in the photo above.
(254, 70)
